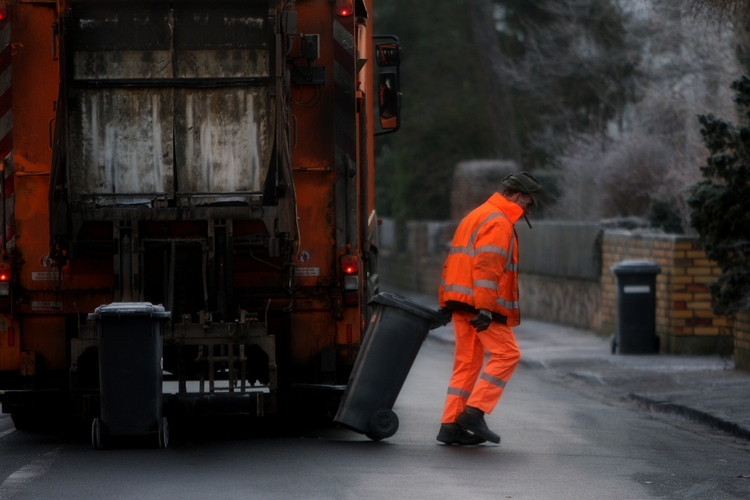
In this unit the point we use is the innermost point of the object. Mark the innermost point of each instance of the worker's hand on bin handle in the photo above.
(444, 317)
(482, 320)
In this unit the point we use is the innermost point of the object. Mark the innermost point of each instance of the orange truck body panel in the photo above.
(290, 281)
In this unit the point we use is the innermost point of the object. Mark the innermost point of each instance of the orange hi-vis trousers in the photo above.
(464, 388)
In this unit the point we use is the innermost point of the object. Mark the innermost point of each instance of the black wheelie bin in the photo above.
(391, 344)
(131, 336)
(636, 307)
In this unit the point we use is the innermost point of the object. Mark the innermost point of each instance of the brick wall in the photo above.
(684, 321)
(742, 342)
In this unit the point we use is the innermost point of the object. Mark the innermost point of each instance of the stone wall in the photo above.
(684, 321)
(561, 300)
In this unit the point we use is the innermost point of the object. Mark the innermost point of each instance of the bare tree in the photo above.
(724, 9)
(501, 112)
(655, 150)
(566, 65)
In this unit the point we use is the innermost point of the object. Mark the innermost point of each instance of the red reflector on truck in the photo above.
(349, 264)
(344, 8)
(5, 276)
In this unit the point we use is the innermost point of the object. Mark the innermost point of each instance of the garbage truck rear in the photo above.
(215, 157)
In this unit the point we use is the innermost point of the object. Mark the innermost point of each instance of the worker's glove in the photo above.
(482, 320)
(443, 317)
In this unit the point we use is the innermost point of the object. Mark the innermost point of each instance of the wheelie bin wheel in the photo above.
(613, 344)
(383, 424)
(96, 434)
(163, 433)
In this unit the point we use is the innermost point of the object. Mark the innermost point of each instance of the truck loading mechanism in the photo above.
(215, 157)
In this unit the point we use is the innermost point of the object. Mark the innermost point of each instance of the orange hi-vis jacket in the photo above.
(481, 270)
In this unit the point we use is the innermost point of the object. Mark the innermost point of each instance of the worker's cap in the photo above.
(523, 182)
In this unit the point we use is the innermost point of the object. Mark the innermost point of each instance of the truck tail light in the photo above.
(3, 11)
(350, 268)
(5, 276)
(344, 8)
(349, 264)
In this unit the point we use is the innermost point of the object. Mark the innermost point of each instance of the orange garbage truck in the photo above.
(213, 157)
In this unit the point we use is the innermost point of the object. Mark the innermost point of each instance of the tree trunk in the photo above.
(502, 117)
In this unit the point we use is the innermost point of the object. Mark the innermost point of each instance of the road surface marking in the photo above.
(17, 481)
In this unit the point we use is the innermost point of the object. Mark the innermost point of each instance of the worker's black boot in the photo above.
(472, 419)
(454, 434)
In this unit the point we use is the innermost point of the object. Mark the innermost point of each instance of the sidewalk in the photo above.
(705, 389)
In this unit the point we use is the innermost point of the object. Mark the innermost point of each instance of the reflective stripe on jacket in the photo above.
(482, 265)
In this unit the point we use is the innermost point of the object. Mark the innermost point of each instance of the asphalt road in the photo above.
(556, 444)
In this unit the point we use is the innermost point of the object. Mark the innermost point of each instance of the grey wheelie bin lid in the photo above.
(396, 300)
(636, 267)
(131, 309)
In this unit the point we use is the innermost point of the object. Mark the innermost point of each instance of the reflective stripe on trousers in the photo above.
(483, 391)
(493, 380)
(455, 391)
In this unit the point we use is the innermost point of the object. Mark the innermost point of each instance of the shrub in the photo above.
(720, 203)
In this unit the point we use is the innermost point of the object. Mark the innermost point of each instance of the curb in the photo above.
(692, 414)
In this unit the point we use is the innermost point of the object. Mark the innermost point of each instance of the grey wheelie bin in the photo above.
(131, 336)
(636, 307)
(391, 343)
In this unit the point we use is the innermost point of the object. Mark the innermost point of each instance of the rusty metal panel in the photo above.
(121, 145)
(223, 139)
(122, 64)
(112, 25)
(221, 63)
(158, 106)
(221, 24)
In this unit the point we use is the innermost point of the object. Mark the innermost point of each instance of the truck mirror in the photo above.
(387, 54)
(388, 101)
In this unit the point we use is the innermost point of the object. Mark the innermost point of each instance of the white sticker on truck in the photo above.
(45, 276)
(40, 305)
(307, 271)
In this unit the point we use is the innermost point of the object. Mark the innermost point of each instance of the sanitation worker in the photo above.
(480, 290)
